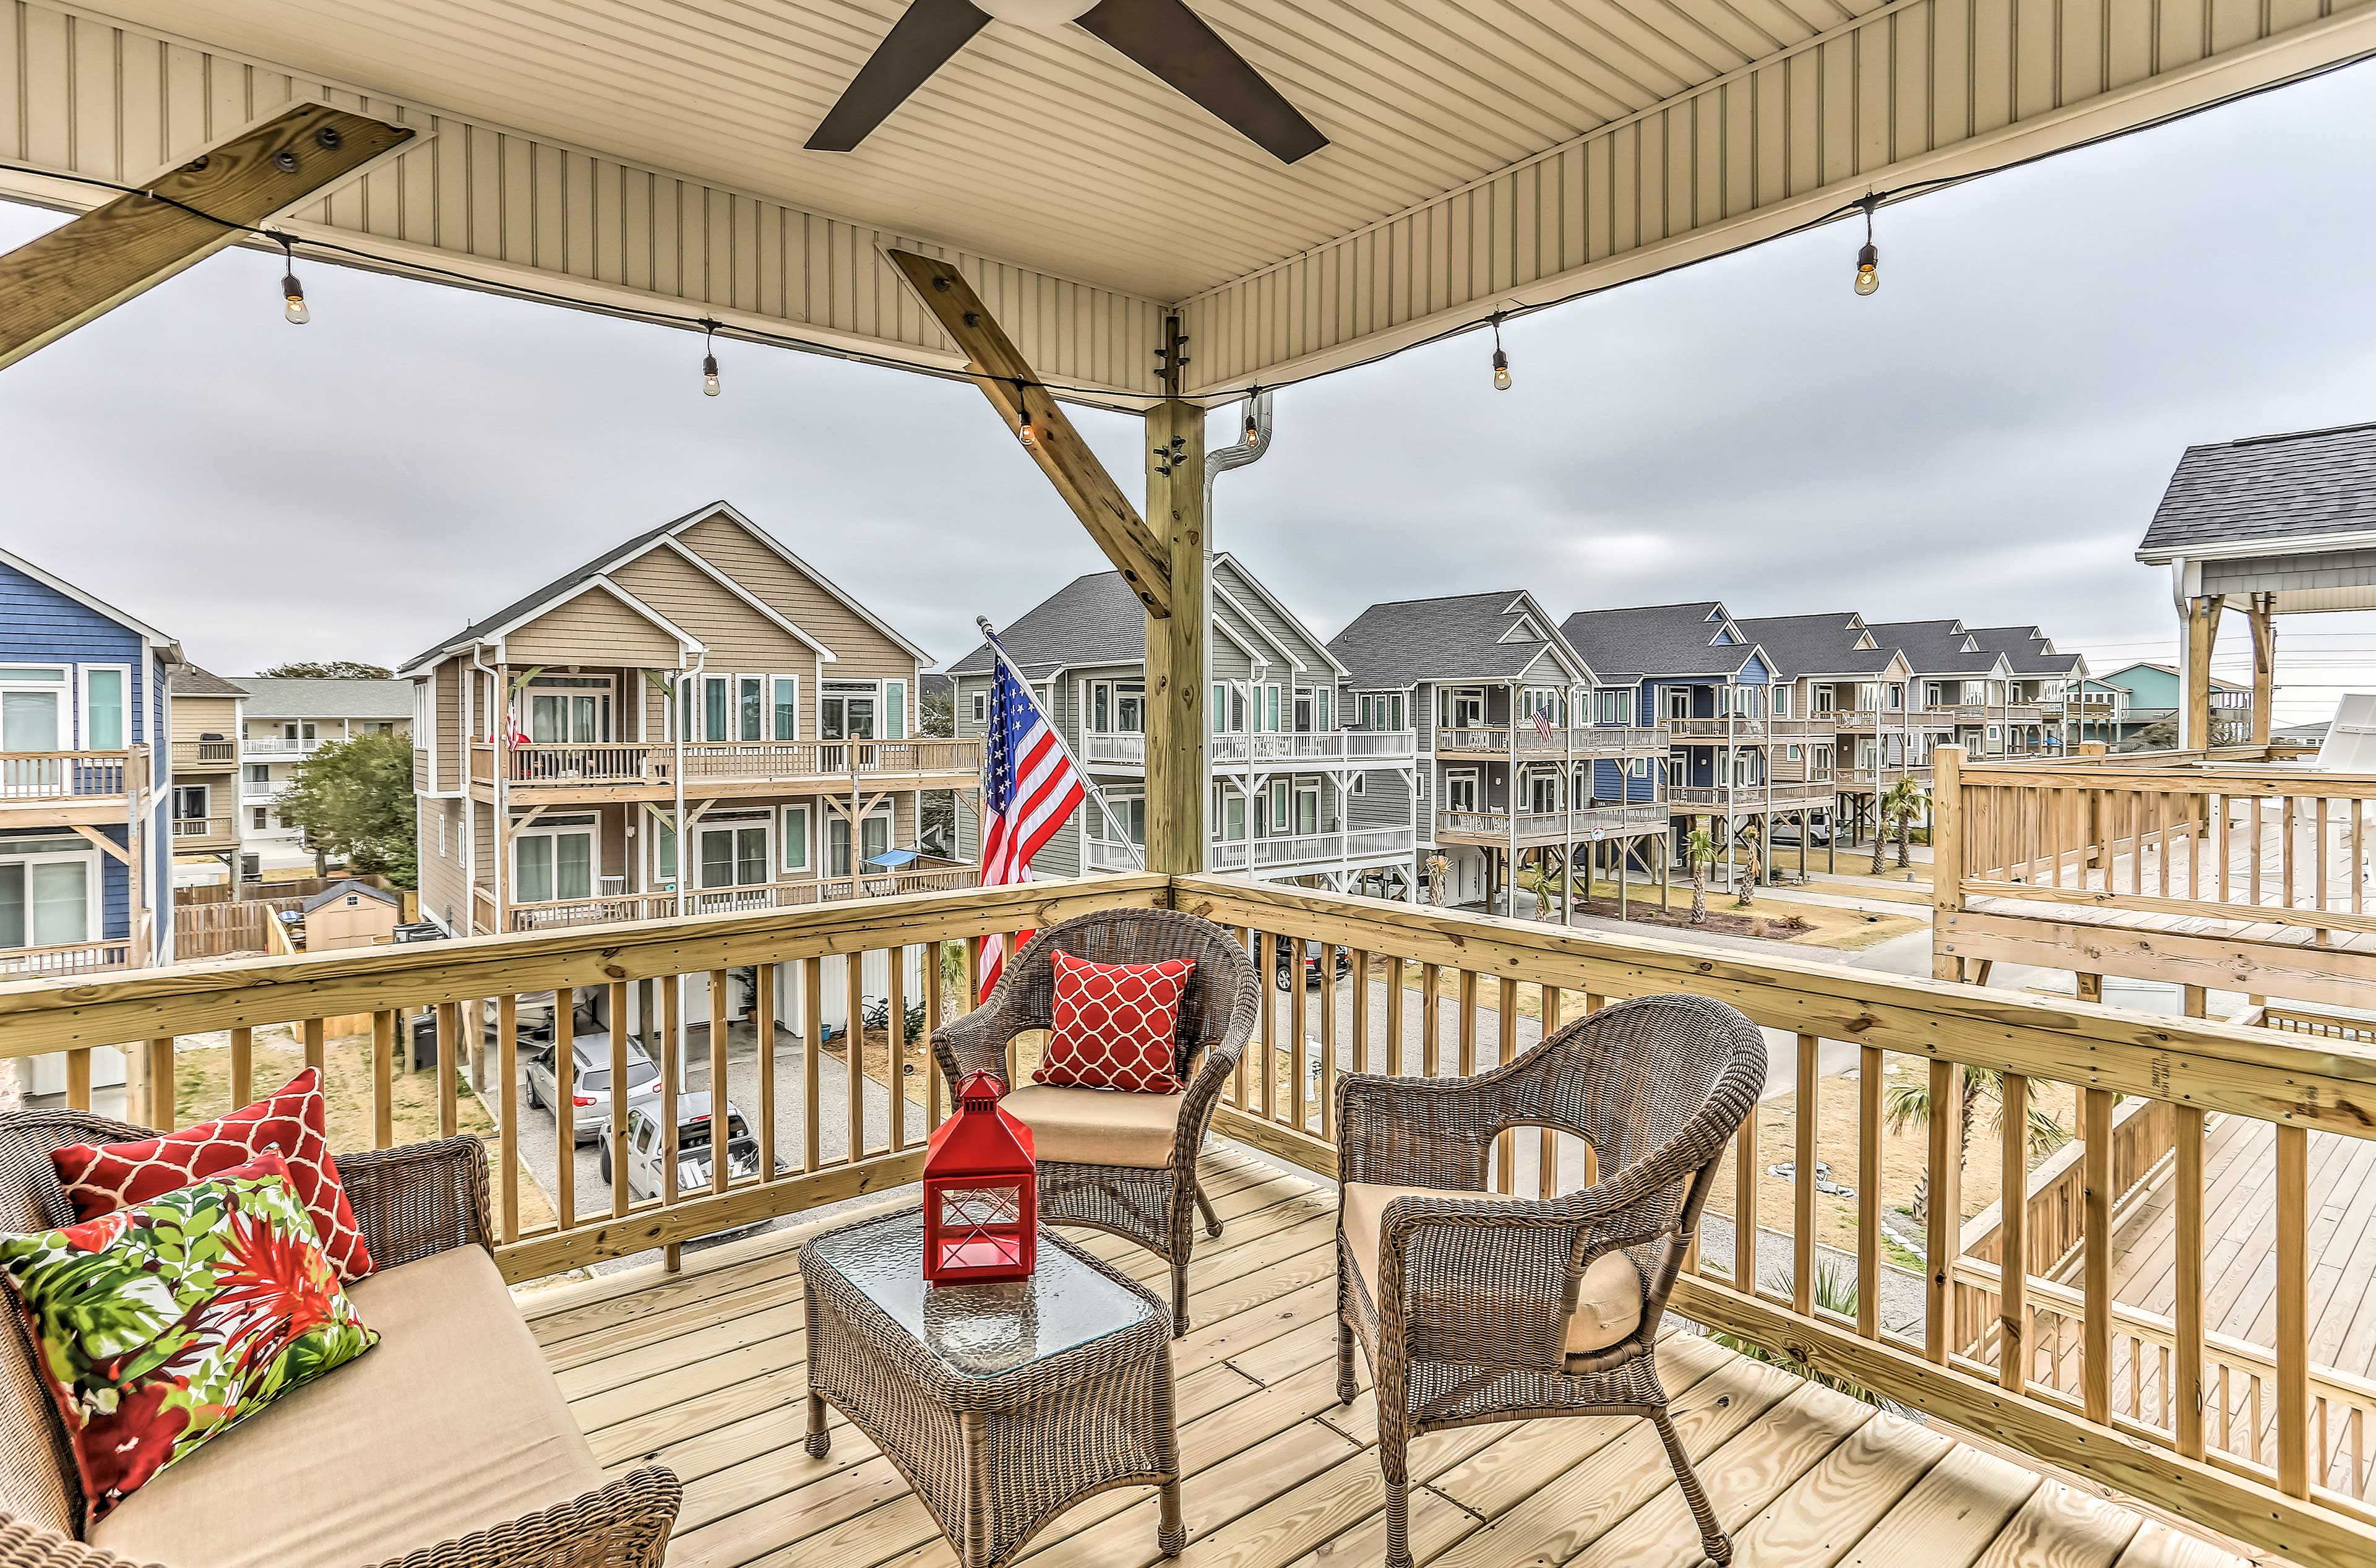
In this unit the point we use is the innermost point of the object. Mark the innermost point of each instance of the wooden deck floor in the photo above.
(703, 1371)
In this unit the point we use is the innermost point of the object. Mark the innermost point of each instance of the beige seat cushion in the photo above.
(450, 1424)
(1608, 1305)
(1077, 1126)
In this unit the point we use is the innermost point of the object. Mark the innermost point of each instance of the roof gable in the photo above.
(92, 603)
(1457, 637)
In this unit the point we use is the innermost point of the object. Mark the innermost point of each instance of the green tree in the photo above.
(1699, 853)
(327, 669)
(1906, 1104)
(354, 799)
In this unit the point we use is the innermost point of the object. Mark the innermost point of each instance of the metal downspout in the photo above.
(1219, 460)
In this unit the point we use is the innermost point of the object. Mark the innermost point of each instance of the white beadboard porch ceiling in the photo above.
(1481, 151)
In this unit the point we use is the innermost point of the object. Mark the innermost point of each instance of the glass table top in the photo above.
(981, 1331)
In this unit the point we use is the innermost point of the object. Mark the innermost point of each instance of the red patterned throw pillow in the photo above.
(100, 1177)
(1114, 1025)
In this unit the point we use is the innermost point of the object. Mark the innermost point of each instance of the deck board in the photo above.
(704, 1371)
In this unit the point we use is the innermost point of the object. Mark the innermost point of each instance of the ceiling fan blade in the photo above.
(1175, 43)
(919, 43)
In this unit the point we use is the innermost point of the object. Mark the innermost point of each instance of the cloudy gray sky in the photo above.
(1985, 437)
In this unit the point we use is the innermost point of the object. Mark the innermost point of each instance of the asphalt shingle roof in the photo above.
(527, 601)
(2267, 487)
(1654, 640)
(327, 699)
(1823, 644)
(189, 680)
(2025, 649)
(1459, 636)
(1934, 647)
(1091, 620)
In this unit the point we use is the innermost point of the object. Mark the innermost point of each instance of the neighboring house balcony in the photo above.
(64, 959)
(1307, 748)
(926, 876)
(1814, 726)
(197, 834)
(1575, 826)
(1735, 729)
(1582, 740)
(1283, 854)
(1866, 778)
(264, 748)
(205, 756)
(590, 771)
(68, 789)
(1688, 799)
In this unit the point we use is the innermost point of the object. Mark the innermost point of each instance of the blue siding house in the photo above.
(86, 856)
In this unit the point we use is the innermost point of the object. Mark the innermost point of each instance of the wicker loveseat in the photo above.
(448, 1444)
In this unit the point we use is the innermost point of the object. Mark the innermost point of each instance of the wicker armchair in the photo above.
(1485, 1308)
(412, 1203)
(1155, 1204)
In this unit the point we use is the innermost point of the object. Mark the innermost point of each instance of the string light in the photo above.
(709, 388)
(1024, 429)
(1868, 277)
(1501, 358)
(1253, 422)
(292, 292)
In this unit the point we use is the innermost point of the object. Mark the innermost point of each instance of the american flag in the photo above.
(1543, 721)
(1028, 789)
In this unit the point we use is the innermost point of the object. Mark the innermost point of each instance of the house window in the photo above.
(1547, 701)
(553, 860)
(1118, 707)
(750, 708)
(1678, 702)
(1461, 789)
(1282, 803)
(32, 708)
(1467, 711)
(982, 706)
(1543, 794)
(1361, 784)
(1613, 705)
(1229, 811)
(568, 709)
(1637, 767)
(441, 834)
(894, 710)
(713, 707)
(103, 710)
(259, 819)
(796, 838)
(190, 802)
(1793, 752)
(733, 853)
(846, 711)
(258, 774)
(873, 839)
(787, 708)
(49, 892)
(663, 853)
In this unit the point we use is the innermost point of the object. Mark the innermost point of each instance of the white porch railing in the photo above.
(557, 913)
(1317, 850)
(282, 745)
(1266, 746)
(1583, 740)
(1552, 827)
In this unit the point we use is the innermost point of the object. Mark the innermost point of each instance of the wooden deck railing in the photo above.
(64, 958)
(1430, 993)
(2195, 869)
(557, 913)
(205, 753)
(592, 764)
(27, 776)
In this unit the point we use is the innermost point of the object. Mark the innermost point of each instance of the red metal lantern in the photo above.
(981, 1193)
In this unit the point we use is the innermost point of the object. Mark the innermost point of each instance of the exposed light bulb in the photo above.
(1868, 277)
(1501, 358)
(1253, 421)
(292, 294)
(709, 388)
(1024, 431)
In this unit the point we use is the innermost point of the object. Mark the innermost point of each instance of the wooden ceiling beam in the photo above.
(1007, 379)
(84, 268)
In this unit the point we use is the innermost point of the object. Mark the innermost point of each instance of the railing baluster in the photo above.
(1547, 1141)
(2161, 804)
(1395, 1005)
(507, 1112)
(1361, 980)
(2226, 813)
(2255, 829)
(1467, 1027)
(853, 1048)
(2186, 1388)
(2096, 1348)
(2286, 898)
(618, 1098)
(1945, 1202)
(1430, 1018)
(2318, 856)
(1297, 992)
(1266, 966)
(1802, 1195)
(243, 1066)
(1329, 953)
(2293, 1308)
(1505, 1014)
(895, 1011)
(1744, 1205)
(763, 1036)
(449, 1039)
(564, 1103)
(721, 1119)
(315, 1044)
(383, 1084)
(671, 1086)
(158, 1073)
(1869, 1071)
(2359, 822)
(78, 1079)
(813, 1050)
(2013, 1235)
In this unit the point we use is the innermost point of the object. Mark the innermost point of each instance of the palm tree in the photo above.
(1752, 843)
(1899, 807)
(1906, 1104)
(1699, 852)
(1879, 835)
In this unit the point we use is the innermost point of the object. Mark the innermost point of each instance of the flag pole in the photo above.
(998, 653)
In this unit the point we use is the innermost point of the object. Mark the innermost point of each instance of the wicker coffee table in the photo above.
(1003, 1405)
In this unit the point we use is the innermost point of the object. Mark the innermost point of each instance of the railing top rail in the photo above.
(41, 1016)
(2216, 1067)
(116, 755)
(2183, 779)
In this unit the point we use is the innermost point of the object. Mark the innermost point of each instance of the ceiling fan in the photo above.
(1163, 36)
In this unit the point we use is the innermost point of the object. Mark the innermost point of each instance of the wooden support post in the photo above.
(2263, 618)
(2195, 691)
(80, 270)
(1947, 858)
(1176, 723)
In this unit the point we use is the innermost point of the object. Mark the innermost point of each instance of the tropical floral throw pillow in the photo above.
(162, 1325)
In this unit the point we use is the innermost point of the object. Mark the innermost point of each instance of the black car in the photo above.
(1311, 962)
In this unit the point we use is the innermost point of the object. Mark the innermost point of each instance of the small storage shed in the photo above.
(351, 914)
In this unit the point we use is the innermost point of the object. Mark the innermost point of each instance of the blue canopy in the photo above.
(892, 860)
